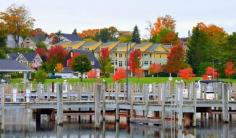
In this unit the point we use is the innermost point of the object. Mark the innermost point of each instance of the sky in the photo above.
(65, 15)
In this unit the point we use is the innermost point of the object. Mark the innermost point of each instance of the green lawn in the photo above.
(109, 80)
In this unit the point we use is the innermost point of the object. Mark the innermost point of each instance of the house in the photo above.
(31, 59)
(28, 43)
(109, 45)
(69, 37)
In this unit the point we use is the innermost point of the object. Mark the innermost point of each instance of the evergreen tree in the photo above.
(136, 35)
(74, 31)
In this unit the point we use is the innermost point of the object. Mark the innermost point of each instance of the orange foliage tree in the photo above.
(139, 72)
(154, 68)
(163, 22)
(134, 60)
(90, 33)
(229, 69)
(210, 71)
(42, 52)
(59, 67)
(71, 59)
(57, 54)
(119, 74)
(92, 73)
(186, 73)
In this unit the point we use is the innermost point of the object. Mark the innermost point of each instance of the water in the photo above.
(21, 124)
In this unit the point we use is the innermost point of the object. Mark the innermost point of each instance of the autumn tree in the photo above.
(89, 33)
(210, 71)
(119, 74)
(166, 22)
(81, 64)
(18, 21)
(42, 53)
(55, 55)
(186, 74)
(38, 35)
(229, 69)
(154, 68)
(134, 60)
(107, 34)
(136, 35)
(139, 72)
(3, 35)
(92, 73)
(175, 59)
(105, 62)
(59, 67)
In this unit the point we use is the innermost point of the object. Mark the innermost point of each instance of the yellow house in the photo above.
(119, 54)
(91, 46)
(109, 45)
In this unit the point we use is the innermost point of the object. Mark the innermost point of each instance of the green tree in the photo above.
(107, 34)
(41, 45)
(81, 64)
(2, 54)
(17, 21)
(136, 35)
(40, 76)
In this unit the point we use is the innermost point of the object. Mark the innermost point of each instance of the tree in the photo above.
(59, 67)
(92, 73)
(81, 64)
(42, 53)
(70, 61)
(40, 76)
(2, 54)
(175, 59)
(210, 71)
(105, 62)
(134, 60)
(186, 74)
(17, 21)
(90, 33)
(165, 36)
(154, 68)
(107, 34)
(124, 38)
(119, 74)
(38, 35)
(166, 22)
(139, 72)
(41, 45)
(75, 31)
(57, 53)
(229, 69)
(136, 35)
(3, 35)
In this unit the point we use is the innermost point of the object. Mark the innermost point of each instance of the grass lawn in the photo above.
(109, 80)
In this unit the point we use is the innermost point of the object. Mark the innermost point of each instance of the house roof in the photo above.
(154, 48)
(30, 56)
(8, 65)
(90, 56)
(143, 46)
(13, 56)
(72, 37)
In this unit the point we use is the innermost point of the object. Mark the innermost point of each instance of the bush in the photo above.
(40, 76)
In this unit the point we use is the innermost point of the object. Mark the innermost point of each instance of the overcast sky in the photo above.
(65, 15)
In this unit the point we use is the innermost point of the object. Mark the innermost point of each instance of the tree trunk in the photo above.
(81, 77)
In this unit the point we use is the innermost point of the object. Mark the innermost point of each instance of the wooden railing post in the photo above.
(59, 104)
(117, 101)
(2, 107)
(97, 109)
(225, 105)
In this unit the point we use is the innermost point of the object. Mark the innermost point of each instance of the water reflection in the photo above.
(21, 124)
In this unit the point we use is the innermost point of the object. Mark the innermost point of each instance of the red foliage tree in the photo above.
(210, 71)
(134, 60)
(73, 56)
(229, 69)
(139, 72)
(42, 52)
(175, 59)
(57, 54)
(104, 53)
(155, 68)
(186, 74)
(92, 73)
(119, 74)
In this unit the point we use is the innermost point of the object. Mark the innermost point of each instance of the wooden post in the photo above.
(97, 109)
(225, 105)
(117, 102)
(59, 105)
(180, 104)
(104, 101)
(27, 94)
(163, 87)
(146, 97)
(3, 107)
(194, 105)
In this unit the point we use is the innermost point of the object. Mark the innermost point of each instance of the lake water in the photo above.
(21, 124)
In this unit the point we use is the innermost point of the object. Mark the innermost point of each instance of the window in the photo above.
(150, 62)
(145, 63)
(120, 63)
(120, 55)
(115, 62)
(145, 55)
(92, 63)
(116, 54)
(160, 55)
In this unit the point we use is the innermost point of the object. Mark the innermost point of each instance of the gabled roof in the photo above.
(30, 56)
(8, 65)
(143, 46)
(72, 37)
(122, 47)
(109, 45)
(155, 47)
(90, 56)
(13, 56)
